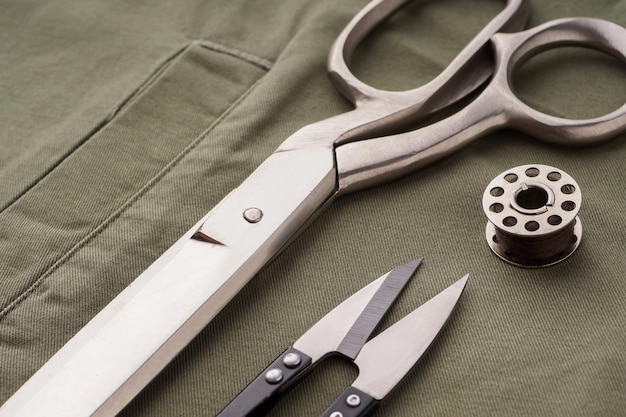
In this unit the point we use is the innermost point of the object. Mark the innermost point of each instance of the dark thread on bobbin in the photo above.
(536, 251)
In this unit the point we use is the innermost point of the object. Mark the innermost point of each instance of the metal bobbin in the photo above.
(532, 212)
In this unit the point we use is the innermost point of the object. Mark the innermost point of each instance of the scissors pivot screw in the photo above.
(532, 212)
(253, 215)
(274, 376)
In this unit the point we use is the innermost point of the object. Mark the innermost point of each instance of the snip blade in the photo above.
(348, 326)
(387, 358)
(374, 311)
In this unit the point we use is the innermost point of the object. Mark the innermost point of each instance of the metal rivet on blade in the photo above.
(253, 215)
(274, 376)
(353, 400)
(291, 360)
(336, 414)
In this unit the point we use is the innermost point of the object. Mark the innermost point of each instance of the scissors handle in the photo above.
(391, 111)
(512, 50)
(366, 163)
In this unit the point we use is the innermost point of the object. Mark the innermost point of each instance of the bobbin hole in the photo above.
(510, 178)
(568, 189)
(496, 207)
(497, 191)
(532, 198)
(531, 226)
(554, 176)
(568, 205)
(509, 221)
(555, 220)
(532, 172)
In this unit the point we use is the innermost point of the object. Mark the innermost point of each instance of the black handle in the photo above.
(352, 403)
(255, 398)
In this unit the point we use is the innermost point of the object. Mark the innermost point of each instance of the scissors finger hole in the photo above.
(400, 53)
(572, 82)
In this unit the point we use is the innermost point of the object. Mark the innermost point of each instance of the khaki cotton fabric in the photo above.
(122, 123)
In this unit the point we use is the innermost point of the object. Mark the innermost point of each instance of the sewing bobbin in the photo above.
(532, 212)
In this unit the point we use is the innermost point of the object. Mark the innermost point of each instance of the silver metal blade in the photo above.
(347, 327)
(387, 358)
(132, 339)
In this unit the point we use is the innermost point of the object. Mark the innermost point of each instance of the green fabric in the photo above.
(122, 123)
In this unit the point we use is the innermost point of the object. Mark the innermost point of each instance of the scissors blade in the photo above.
(132, 339)
(347, 327)
(387, 358)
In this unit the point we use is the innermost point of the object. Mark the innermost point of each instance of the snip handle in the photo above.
(260, 395)
(352, 403)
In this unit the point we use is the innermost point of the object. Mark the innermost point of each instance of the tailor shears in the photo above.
(131, 340)
(382, 362)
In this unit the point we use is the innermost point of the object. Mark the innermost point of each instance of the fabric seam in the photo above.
(154, 76)
(144, 85)
(263, 63)
(127, 204)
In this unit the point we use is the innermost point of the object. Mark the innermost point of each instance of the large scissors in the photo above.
(131, 340)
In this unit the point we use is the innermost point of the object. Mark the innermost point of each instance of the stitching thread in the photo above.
(154, 75)
(253, 59)
(144, 85)
(128, 203)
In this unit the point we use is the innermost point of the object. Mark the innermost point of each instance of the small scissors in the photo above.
(132, 339)
(383, 361)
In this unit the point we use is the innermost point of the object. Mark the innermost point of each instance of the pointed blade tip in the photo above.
(459, 286)
(416, 262)
(412, 266)
(417, 331)
(464, 280)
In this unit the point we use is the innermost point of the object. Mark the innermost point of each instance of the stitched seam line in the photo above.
(128, 203)
(144, 85)
(253, 59)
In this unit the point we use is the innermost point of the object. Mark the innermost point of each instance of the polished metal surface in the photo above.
(363, 164)
(353, 400)
(367, 321)
(158, 315)
(110, 360)
(274, 376)
(387, 358)
(291, 360)
(532, 213)
(356, 317)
